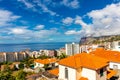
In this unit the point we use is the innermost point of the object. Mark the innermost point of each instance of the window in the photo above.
(115, 66)
(66, 73)
(118, 43)
(101, 72)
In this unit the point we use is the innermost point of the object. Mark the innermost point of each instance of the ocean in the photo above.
(31, 46)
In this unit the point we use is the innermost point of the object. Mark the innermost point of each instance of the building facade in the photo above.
(115, 46)
(72, 49)
(12, 56)
(85, 66)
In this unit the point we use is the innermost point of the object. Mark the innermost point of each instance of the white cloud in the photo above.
(109, 11)
(18, 31)
(29, 5)
(67, 20)
(73, 32)
(38, 27)
(6, 17)
(78, 20)
(23, 32)
(45, 8)
(45, 33)
(37, 3)
(105, 21)
(26, 3)
(72, 4)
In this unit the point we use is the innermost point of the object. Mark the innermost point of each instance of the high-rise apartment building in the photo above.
(115, 46)
(72, 49)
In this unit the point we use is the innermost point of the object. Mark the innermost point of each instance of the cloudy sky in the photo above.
(57, 20)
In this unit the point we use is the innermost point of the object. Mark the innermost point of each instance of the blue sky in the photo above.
(24, 21)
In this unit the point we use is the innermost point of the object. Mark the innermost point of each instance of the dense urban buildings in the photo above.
(100, 64)
(12, 56)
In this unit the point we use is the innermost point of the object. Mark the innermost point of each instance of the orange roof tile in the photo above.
(111, 73)
(46, 61)
(54, 71)
(113, 56)
(83, 78)
(16, 63)
(84, 60)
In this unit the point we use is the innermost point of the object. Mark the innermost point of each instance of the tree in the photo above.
(63, 55)
(21, 66)
(6, 75)
(20, 75)
(43, 57)
(46, 66)
(27, 62)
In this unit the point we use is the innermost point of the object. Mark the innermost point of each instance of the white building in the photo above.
(50, 62)
(84, 67)
(112, 56)
(115, 46)
(72, 49)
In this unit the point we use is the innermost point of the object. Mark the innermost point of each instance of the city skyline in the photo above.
(57, 20)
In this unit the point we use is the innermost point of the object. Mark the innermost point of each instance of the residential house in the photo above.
(54, 72)
(84, 67)
(112, 56)
(41, 62)
(52, 53)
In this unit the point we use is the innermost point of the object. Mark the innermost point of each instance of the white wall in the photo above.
(72, 49)
(71, 73)
(116, 46)
(38, 65)
(68, 48)
(111, 65)
(83, 48)
(76, 48)
(88, 73)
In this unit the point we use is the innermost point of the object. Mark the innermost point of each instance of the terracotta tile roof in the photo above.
(84, 60)
(32, 76)
(54, 71)
(111, 73)
(112, 56)
(46, 61)
(16, 63)
(83, 78)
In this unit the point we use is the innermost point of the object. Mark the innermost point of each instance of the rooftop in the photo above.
(113, 56)
(110, 73)
(84, 60)
(54, 71)
(83, 78)
(46, 61)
